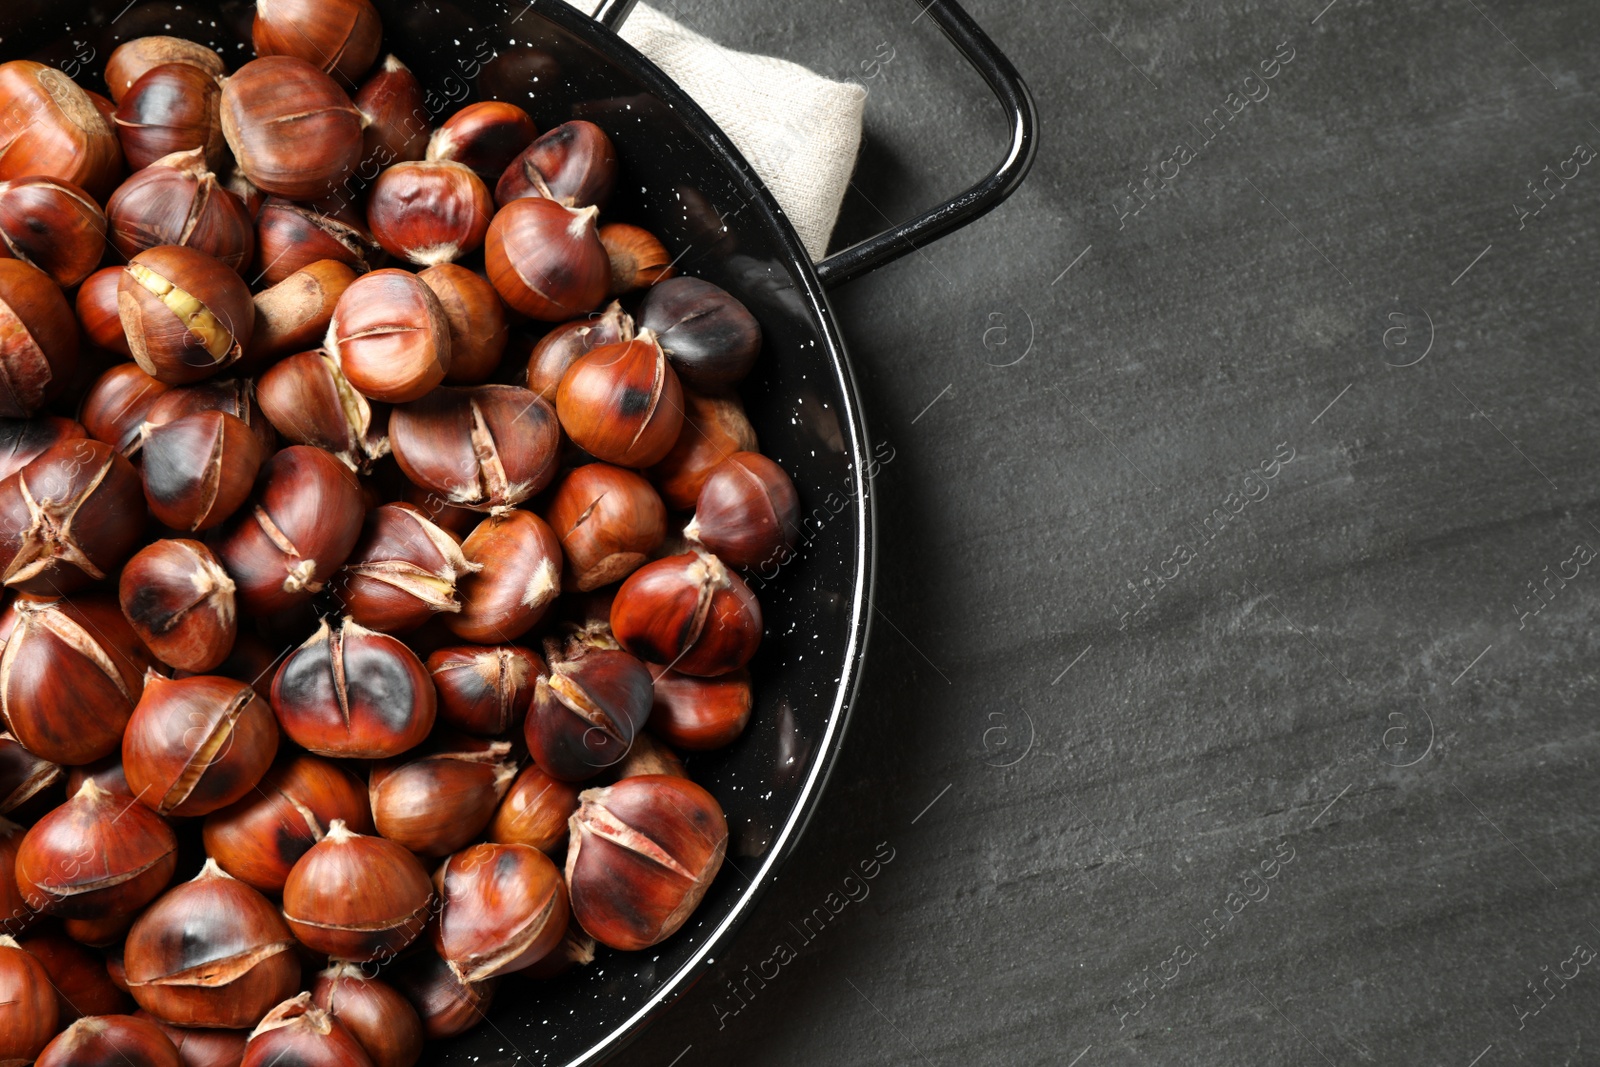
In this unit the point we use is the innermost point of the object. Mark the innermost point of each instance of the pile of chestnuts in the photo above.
(305, 750)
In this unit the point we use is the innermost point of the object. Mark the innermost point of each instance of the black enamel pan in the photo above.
(685, 181)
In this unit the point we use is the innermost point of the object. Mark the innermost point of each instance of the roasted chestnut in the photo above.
(700, 713)
(573, 164)
(587, 711)
(24, 440)
(291, 237)
(23, 775)
(391, 337)
(492, 446)
(429, 212)
(305, 520)
(41, 348)
(710, 337)
(292, 129)
(231, 396)
(435, 803)
(689, 612)
(105, 772)
(101, 933)
(83, 985)
(637, 256)
(622, 403)
(110, 1041)
(53, 225)
(484, 690)
(714, 428)
(403, 571)
(132, 59)
(354, 693)
(357, 898)
(54, 129)
(393, 105)
(300, 1033)
(447, 1006)
(559, 349)
(28, 1016)
(649, 756)
(535, 811)
(197, 744)
(202, 1048)
(179, 601)
(575, 950)
(546, 260)
(199, 469)
(340, 36)
(293, 315)
(642, 855)
(477, 322)
(211, 952)
(748, 512)
(97, 856)
(15, 915)
(485, 136)
(259, 839)
(187, 315)
(69, 517)
(610, 522)
(501, 908)
(374, 1012)
(70, 675)
(516, 575)
(96, 306)
(117, 403)
(174, 107)
(308, 399)
(176, 200)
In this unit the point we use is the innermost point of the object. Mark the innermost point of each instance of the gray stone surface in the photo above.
(1348, 671)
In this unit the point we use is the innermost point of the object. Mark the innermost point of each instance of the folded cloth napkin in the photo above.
(799, 130)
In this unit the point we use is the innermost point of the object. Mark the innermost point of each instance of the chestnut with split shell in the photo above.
(197, 744)
(586, 713)
(357, 898)
(186, 314)
(70, 517)
(300, 1033)
(690, 613)
(502, 908)
(97, 856)
(110, 1041)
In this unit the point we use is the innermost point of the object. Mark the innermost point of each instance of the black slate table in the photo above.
(1232, 694)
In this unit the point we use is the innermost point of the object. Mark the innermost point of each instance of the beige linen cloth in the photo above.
(800, 131)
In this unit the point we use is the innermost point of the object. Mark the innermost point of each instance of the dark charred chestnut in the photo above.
(447, 1006)
(573, 164)
(491, 446)
(97, 311)
(176, 200)
(293, 315)
(374, 1012)
(187, 315)
(132, 59)
(23, 775)
(748, 512)
(477, 321)
(300, 1033)
(622, 403)
(199, 469)
(197, 744)
(117, 403)
(714, 428)
(699, 714)
(587, 711)
(610, 522)
(393, 105)
(482, 690)
(179, 601)
(485, 136)
(69, 517)
(546, 260)
(354, 693)
(110, 1041)
(535, 811)
(436, 803)
(391, 337)
(83, 985)
(689, 612)
(96, 856)
(357, 898)
(339, 36)
(403, 571)
(563, 346)
(291, 237)
(53, 225)
(28, 1016)
(292, 129)
(637, 256)
(429, 212)
(516, 575)
(710, 337)
(24, 440)
(54, 129)
(41, 348)
(175, 107)
(502, 908)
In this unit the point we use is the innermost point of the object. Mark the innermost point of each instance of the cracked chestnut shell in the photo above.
(561, 347)
(374, 1012)
(186, 314)
(28, 1016)
(622, 403)
(574, 165)
(642, 855)
(429, 211)
(587, 711)
(293, 131)
(180, 603)
(404, 570)
(231, 396)
(748, 512)
(354, 693)
(535, 811)
(546, 260)
(97, 856)
(70, 676)
(610, 522)
(53, 128)
(357, 898)
(174, 107)
(23, 776)
(197, 744)
(516, 577)
(297, 533)
(307, 398)
(502, 908)
(339, 36)
(176, 200)
(710, 337)
(291, 237)
(117, 403)
(484, 690)
(69, 517)
(299, 1033)
(199, 469)
(485, 136)
(110, 1041)
(714, 428)
(211, 952)
(259, 838)
(491, 446)
(689, 612)
(391, 336)
(38, 339)
(435, 803)
(53, 225)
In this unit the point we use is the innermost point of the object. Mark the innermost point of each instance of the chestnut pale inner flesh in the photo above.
(213, 336)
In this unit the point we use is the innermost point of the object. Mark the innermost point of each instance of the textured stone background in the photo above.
(1349, 671)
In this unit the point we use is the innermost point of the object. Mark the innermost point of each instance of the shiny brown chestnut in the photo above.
(186, 314)
(484, 690)
(434, 804)
(714, 428)
(748, 512)
(53, 225)
(575, 950)
(24, 440)
(649, 756)
(574, 165)
(587, 711)
(491, 446)
(559, 349)
(404, 570)
(231, 396)
(354, 693)
(637, 256)
(174, 107)
(102, 933)
(23, 775)
(110, 1041)
(199, 469)
(516, 576)
(82, 983)
(300, 1033)
(180, 602)
(391, 337)
(41, 348)
(70, 675)
(447, 1006)
(71, 516)
(622, 403)
(307, 398)
(96, 856)
(28, 1015)
(535, 811)
(377, 1016)
(105, 772)
(293, 315)
(546, 260)
(132, 59)
(689, 612)
(392, 103)
(115, 407)
(304, 521)
(610, 522)
(202, 1048)
(477, 318)
(176, 200)
(293, 131)
(15, 915)
(485, 136)
(291, 237)
(502, 908)
(357, 898)
(429, 212)
(54, 129)
(259, 839)
(643, 853)
(339, 36)
(96, 306)
(197, 744)
(212, 952)
(700, 714)
(710, 337)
